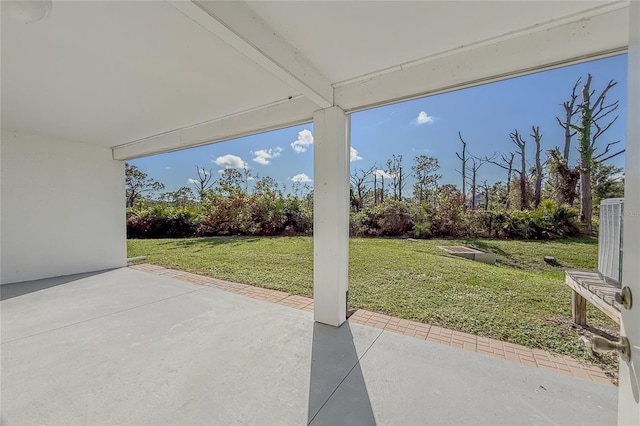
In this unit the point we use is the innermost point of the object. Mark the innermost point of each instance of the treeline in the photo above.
(545, 194)
(268, 211)
(228, 207)
(224, 207)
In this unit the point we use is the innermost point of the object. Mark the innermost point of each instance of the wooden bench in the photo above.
(592, 287)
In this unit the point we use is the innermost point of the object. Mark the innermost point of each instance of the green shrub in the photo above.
(262, 214)
(162, 222)
(485, 223)
(391, 218)
(549, 221)
(421, 230)
(447, 219)
(269, 213)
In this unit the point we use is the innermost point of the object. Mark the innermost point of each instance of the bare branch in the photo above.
(611, 156)
(601, 130)
(602, 96)
(606, 150)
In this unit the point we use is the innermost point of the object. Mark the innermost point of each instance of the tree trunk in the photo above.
(400, 185)
(523, 182)
(507, 203)
(375, 189)
(586, 201)
(473, 189)
(567, 134)
(463, 158)
(538, 182)
(586, 155)
(521, 144)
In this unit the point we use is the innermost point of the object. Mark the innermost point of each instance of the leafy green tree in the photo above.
(137, 182)
(182, 197)
(267, 185)
(607, 181)
(231, 180)
(424, 171)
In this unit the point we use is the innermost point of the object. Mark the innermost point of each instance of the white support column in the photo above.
(330, 215)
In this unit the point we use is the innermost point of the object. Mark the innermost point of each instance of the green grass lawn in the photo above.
(521, 299)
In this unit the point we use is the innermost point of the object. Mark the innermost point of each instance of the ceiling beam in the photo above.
(239, 27)
(580, 39)
(269, 117)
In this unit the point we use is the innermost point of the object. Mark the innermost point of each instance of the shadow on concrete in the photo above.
(333, 358)
(9, 291)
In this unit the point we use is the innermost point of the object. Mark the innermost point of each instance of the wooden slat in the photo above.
(596, 290)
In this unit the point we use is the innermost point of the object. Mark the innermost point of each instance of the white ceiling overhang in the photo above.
(155, 76)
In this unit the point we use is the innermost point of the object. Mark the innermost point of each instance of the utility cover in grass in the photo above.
(471, 253)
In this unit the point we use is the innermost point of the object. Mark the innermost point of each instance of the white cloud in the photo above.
(383, 174)
(168, 168)
(250, 178)
(354, 155)
(230, 161)
(264, 155)
(305, 138)
(193, 181)
(423, 118)
(302, 177)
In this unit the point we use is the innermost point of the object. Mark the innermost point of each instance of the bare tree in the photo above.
(594, 122)
(246, 177)
(382, 175)
(520, 143)
(359, 186)
(506, 162)
(476, 163)
(203, 182)
(375, 188)
(394, 169)
(537, 137)
(463, 158)
(486, 191)
(570, 110)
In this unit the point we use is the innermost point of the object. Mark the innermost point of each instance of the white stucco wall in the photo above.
(62, 208)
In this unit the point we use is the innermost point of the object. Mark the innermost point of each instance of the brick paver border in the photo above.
(432, 333)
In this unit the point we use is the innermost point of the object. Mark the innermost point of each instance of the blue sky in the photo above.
(485, 115)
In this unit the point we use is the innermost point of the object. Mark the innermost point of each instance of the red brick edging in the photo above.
(504, 350)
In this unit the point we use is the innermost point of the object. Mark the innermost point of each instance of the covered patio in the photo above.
(88, 85)
(131, 347)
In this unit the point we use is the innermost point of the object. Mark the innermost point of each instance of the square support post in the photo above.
(330, 215)
(579, 308)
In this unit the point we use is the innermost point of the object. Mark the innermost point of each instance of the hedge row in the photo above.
(263, 216)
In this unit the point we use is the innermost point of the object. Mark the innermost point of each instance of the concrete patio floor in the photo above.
(130, 347)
